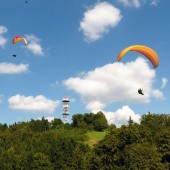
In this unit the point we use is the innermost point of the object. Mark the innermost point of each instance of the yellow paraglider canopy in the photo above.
(19, 38)
(146, 51)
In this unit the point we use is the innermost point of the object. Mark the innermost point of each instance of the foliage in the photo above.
(136, 146)
(90, 121)
(39, 144)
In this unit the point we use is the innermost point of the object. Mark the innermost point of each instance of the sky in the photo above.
(72, 51)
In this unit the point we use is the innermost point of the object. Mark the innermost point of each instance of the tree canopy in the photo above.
(40, 144)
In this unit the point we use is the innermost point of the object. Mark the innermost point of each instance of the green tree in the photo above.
(130, 121)
(107, 153)
(162, 139)
(8, 159)
(39, 125)
(3, 127)
(100, 122)
(41, 162)
(143, 156)
(55, 123)
(155, 122)
(78, 121)
(89, 120)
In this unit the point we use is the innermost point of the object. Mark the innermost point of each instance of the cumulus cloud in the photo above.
(115, 82)
(34, 45)
(10, 68)
(98, 20)
(121, 116)
(164, 82)
(95, 106)
(37, 104)
(3, 40)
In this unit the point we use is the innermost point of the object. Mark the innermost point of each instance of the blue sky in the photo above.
(72, 50)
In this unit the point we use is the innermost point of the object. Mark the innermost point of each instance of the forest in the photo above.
(44, 145)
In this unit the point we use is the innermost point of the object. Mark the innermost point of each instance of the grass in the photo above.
(94, 137)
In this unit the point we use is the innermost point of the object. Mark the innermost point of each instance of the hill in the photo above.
(39, 144)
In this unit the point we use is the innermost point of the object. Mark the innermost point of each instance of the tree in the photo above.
(130, 121)
(56, 122)
(143, 156)
(3, 127)
(8, 159)
(107, 153)
(155, 122)
(163, 144)
(100, 122)
(89, 120)
(39, 125)
(78, 121)
(41, 162)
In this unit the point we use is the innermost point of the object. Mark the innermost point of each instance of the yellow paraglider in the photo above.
(19, 38)
(146, 51)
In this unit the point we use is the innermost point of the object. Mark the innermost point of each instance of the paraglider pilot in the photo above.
(140, 91)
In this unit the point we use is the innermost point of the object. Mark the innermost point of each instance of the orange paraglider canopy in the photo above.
(146, 51)
(19, 38)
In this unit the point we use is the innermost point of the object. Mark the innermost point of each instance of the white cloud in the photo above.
(130, 3)
(34, 45)
(37, 104)
(98, 20)
(3, 29)
(115, 82)
(164, 82)
(95, 106)
(10, 68)
(138, 3)
(154, 2)
(3, 40)
(121, 116)
(157, 94)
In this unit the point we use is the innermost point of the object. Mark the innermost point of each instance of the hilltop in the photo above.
(88, 143)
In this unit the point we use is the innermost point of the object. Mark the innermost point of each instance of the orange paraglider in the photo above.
(146, 51)
(19, 38)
